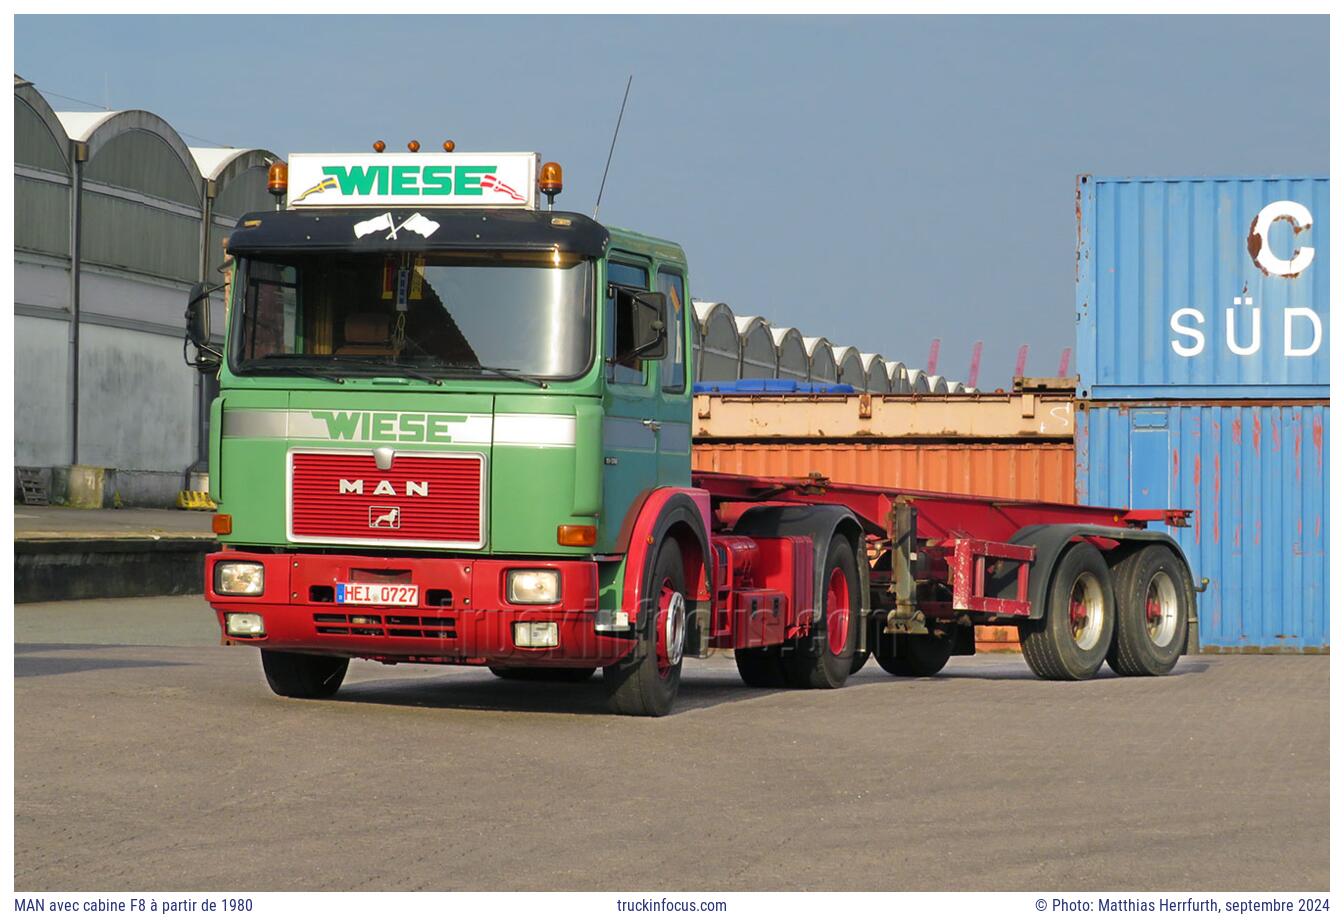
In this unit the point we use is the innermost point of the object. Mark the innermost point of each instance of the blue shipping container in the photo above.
(1203, 288)
(1256, 478)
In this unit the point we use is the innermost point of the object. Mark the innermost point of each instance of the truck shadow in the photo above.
(485, 692)
(30, 660)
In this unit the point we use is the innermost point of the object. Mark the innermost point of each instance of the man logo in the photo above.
(382, 517)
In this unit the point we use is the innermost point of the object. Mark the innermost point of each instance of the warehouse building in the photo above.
(115, 217)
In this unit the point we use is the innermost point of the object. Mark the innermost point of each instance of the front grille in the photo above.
(421, 501)
(389, 626)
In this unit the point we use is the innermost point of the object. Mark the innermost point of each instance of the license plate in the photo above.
(378, 595)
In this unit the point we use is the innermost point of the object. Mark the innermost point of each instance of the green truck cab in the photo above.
(437, 421)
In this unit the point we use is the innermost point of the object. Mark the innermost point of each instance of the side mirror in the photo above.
(644, 315)
(198, 327)
(198, 315)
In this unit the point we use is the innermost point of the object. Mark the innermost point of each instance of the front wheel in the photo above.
(1154, 598)
(1071, 641)
(305, 677)
(822, 659)
(646, 682)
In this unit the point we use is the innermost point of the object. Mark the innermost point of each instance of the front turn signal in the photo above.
(222, 524)
(576, 535)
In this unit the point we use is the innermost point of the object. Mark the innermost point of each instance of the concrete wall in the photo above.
(41, 397)
(155, 432)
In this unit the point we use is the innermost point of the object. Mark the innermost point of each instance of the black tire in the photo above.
(913, 656)
(760, 667)
(1154, 598)
(554, 675)
(860, 659)
(641, 685)
(305, 677)
(812, 663)
(1060, 646)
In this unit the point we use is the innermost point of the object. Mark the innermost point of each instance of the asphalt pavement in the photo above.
(148, 757)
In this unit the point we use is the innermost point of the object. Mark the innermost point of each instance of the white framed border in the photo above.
(483, 518)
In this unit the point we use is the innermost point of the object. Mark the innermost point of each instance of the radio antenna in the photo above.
(614, 135)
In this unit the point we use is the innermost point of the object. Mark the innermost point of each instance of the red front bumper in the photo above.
(463, 616)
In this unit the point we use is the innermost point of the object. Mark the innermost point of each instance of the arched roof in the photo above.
(896, 375)
(47, 115)
(875, 372)
(937, 384)
(792, 356)
(849, 369)
(820, 361)
(956, 386)
(917, 380)
(760, 358)
(720, 355)
(100, 129)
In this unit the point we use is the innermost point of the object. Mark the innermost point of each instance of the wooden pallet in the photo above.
(30, 483)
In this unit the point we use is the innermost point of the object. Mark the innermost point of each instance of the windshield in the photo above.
(439, 314)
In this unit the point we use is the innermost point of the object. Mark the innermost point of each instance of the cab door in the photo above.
(674, 385)
(630, 420)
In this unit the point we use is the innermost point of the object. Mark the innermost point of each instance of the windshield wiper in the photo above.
(512, 373)
(381, 365)
(298, 370)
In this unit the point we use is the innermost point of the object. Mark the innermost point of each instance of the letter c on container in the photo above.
(1258, 241)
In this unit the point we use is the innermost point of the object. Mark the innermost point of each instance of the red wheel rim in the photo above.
(837, 611)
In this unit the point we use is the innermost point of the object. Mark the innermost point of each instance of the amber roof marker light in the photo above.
(551, 182)
(413, 146)
(379, 146)
(277, 182)
(449, 146)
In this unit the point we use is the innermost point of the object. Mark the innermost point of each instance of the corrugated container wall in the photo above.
(1037, 470)
(1203, 288)
(1256, 477)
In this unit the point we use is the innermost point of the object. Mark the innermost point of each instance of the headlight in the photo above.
(239, 578)
(533, 586)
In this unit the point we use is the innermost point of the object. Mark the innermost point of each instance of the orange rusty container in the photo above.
(1035, 469)
(1041, 470)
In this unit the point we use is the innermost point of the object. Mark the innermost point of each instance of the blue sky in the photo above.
(878, 180)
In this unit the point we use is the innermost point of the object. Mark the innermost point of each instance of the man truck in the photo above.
(454, 428)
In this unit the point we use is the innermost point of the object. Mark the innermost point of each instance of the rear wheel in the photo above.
(1154, 599)
(913, 656)
(555, 675)
(646, 683)
(1071, 641)
(308, 677)
(822, 659)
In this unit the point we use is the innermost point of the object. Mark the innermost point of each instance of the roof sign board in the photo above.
(438, 180)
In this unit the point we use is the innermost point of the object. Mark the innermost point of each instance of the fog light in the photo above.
(244, 624)
(239, 578)
(536, 635)
(611, 621)
(533, 586)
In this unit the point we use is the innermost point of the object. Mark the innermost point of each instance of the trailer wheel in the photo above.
(555, 675)
(646, 683)
(1071, 641)
(760, 667)
(913, 656)
(821, 660)
(305, 677)
(1154, 599)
